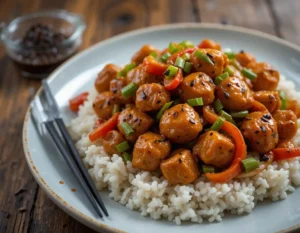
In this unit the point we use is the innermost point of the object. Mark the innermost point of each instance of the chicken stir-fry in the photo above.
(191, 110)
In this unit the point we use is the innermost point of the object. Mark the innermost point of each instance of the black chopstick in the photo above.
(74, 153)
(65, 153)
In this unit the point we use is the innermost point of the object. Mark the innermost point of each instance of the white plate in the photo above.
(78, 74)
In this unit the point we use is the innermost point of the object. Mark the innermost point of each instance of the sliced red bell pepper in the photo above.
(75, 102)
(173, 83)
(240, 149)
(104, 128)
(171, 60)
(153, 66)
(285, 153)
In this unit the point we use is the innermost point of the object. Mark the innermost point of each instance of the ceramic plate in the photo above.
(79, 73)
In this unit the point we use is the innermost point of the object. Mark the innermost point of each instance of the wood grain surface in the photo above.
(24, 207)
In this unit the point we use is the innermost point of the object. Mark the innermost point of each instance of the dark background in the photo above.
(24, 207)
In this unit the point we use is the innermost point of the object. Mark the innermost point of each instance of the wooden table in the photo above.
(24, 207)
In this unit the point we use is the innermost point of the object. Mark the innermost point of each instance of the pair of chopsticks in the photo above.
(48, 114)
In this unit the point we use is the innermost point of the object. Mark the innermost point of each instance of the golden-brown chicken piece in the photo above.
(286, 124)
(244, 58)
(260, 131)
(108, 73)
(139, 56)
(209, 44)
(270, 99)
(267, 77)
(104, 104)
(116, 86)
(110, 140)
(151, 97)
(219, 59)
(234, 94)
(180, 123)
(140, 122)
(294, 106)
(197, 85)
(214, 149)
(180, 168)
(149, 150)
(285, 144)
(140, 76)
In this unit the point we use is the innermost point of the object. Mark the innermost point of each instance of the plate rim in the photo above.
(63, 204)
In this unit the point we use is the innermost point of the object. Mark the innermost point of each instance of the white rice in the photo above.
(150, 194)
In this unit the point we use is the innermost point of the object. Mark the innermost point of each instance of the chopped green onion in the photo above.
(173, 48)
(236, 64)
(283, 100)
(240, 114)
(129, 90)
(208, 169)
(218, 124)
(249, 74)
(230, 55)
(186, 56)
(187, 44)
(127, 157)
(180, 62)
(163, 109)
(250, 164)
(164, 57)
(221, 77)
(218, 105)
(126, 69)
(226, 116)
(171, 71)
(116, 109)
(203, 56)
(195, 102)
(229, 70)
(188, 67)
(123, 146)
(153, 54)
(127, 128)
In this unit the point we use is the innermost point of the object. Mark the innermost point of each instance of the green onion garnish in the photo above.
(180, 62)
(186, 56)
(218, 105)
(241, 114)
(195, 102)
(188, 67)
(173, 48)
(153, 54)
(236, 64)
(249, 74)
(283, 99)
(127, 157)
(226, 116)
(129, 90)
(123, 146)
(116, 109)
(127, 128)
(208, 169)
(218, 124)
(164, 57)
(230, 55)
(229, 70)
(250, 164)
(187, 44)
(163, 109)
(126, 69)
(221, 77)
(203, 56)
(171, 71)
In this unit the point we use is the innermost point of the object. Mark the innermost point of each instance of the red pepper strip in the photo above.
(173, 83)
(258, 107)
(285, 153)
(171, 60)
(240, 149)
(153, 66)
(104, 128)
(77, 101)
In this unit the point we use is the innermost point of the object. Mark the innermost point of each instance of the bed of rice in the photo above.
(151, 195)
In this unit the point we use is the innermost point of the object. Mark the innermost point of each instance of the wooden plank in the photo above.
(287, 18)
(251, 14)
